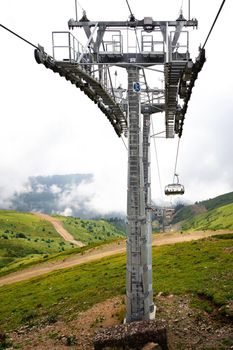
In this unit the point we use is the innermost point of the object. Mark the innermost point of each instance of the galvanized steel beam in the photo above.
(139, 295)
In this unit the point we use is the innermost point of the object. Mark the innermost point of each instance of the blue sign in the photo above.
(136, 87)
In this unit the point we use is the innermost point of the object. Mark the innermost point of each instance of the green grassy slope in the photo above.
(25, 238)
(188, 212)
(219, 201)
(91, 231)
(192, 268)
(216, 219)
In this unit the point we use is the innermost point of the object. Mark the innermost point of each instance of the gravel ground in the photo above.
(188, 328)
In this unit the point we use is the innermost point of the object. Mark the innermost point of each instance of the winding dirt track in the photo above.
(98, 253)
(60, 229)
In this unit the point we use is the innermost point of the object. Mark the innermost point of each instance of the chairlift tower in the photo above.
(88, 66)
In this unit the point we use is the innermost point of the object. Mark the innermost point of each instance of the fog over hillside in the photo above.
(57, 194)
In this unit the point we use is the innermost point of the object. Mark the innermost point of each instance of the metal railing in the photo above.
(68, 47)
(113, 42)
(150, 45)
(181, 49)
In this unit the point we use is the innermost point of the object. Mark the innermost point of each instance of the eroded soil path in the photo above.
(101, 252)
(60, 229)
(187, 328)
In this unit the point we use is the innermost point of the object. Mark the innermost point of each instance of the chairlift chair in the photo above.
(174, 189)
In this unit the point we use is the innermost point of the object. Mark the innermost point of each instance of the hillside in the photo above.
(189, 211)
(26, 239)
(218, 201)
(51, 311)
(89, 231)
(215, 219)
(24, 236)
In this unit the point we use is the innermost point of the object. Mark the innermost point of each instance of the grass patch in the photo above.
(216, 219)
(32, 260)
(91, 231)
(199, 268)
(188, 212)
(228, 236)
(203, 302)
(26, 239)
(13, 223)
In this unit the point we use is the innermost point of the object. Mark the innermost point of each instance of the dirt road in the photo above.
(60, 229)
(98, 253)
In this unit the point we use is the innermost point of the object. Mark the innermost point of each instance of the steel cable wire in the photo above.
(19, 36)
(176, 161)
(212, 27)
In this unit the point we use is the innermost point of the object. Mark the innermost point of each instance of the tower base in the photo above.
(133, 335)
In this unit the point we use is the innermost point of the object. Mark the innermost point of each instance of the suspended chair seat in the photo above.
(174, 189)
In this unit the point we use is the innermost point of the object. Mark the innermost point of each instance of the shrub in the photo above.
(4, 341)
(52, 319)
(20, 235)
(71, 340)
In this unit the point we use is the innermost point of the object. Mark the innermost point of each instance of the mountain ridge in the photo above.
(189, 211)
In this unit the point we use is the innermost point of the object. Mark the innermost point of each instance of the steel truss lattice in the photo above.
(88, 66)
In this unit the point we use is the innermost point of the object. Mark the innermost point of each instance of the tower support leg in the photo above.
(139, 294)
(147, 191)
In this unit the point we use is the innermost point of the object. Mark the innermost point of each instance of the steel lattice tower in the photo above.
(88, 68)
(139, 294)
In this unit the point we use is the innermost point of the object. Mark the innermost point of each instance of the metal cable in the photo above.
(124, 143)
(177, 153)
(131, 13)
(157, 162)
(220, 9)
(181, 6)
(80, 6)
(19, 36)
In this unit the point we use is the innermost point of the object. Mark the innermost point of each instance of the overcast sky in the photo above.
(50, 127)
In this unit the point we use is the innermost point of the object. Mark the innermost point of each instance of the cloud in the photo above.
(102, 197)
(55, 189)
(50, 127)
(67, 212)
(77, 194)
